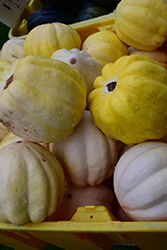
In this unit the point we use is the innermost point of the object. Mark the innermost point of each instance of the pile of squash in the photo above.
(85, 122)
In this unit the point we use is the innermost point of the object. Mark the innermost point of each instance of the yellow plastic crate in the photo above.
(91, 227)
(84, 28)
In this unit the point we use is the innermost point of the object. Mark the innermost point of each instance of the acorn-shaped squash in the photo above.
(128, 102)
(87, 156)
(104, 47)
(13, 49)
(142, 24)
(88, 68)
(46, 38)
(140, 181)
(32, 181)
(41, 99)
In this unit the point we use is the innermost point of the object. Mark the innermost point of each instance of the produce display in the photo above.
(85, 122)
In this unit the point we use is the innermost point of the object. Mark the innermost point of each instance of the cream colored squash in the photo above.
(140, 181)
(87, 155)
(13, 49)
(41, 99)
(88, 68)
(32, 181)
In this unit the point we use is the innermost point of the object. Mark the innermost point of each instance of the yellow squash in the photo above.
(129, 99)
(45, 39)
(142, 24)
(104, 47)
(41, 99)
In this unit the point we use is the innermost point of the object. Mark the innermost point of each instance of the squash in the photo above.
(50, 15)
(159, 55)
(13, 50)
(46, 38)
(31, 181)
(104, 47)
(74, 197)
(50, 101)
(128, 102)
(142, 24)
(140, 181)
(87, 155)
(88, 68)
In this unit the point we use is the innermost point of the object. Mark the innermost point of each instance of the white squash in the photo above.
(13, 49)
(87, 155)
(140, 181)
(88, 68)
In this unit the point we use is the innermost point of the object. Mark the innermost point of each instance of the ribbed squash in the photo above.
(140, 181)
(31, 181)
(87, 156)
(13, 49)
(88, 68)
(142, 24)
(41, 99)
(46, 38)
(104, 47)
(128, 102)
